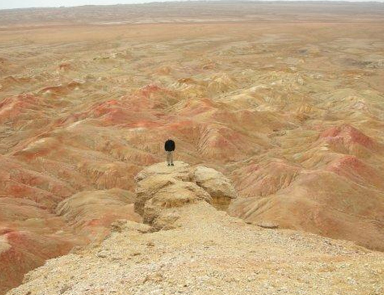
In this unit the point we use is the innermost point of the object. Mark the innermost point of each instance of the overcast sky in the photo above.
(6, 4)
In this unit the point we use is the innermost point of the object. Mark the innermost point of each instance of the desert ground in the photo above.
(286, 100)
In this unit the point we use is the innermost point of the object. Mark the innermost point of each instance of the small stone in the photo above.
(64, 289)
(268, 224)
(102, 254)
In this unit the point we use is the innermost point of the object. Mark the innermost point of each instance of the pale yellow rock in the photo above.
(160, 187)
(216, 184)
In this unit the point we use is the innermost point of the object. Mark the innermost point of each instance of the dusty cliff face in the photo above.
(189, 247)
(285, 102)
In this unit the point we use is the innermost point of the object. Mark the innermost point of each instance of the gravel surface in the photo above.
(210, 252)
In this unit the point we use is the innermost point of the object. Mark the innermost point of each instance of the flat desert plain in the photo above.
(285, 99)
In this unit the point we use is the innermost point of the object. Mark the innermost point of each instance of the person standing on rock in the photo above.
(169, 148)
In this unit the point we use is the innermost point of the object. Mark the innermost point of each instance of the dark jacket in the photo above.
(169, 145)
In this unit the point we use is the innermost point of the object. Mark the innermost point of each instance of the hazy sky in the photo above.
(6, 4)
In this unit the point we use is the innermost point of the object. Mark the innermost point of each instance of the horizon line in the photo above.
(186, 1)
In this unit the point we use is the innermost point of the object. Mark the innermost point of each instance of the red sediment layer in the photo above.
(348, 135)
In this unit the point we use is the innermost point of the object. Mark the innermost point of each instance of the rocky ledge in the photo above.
(204, 250)
(161, 189)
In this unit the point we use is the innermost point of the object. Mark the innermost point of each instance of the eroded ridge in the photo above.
(190, 247)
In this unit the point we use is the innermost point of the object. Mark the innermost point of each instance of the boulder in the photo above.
(162, 189)
(215, 184)
(173, 196)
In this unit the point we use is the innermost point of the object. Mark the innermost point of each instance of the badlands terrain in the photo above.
(186, 246)
(286, 101)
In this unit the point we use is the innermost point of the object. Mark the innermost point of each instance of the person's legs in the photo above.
(171, 158)
(169, 154)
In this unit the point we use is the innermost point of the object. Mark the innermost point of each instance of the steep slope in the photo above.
(205, 251)
(336, 191)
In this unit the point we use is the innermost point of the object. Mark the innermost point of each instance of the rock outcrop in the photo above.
(215, 184)
(204, 251)
(161, 189)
